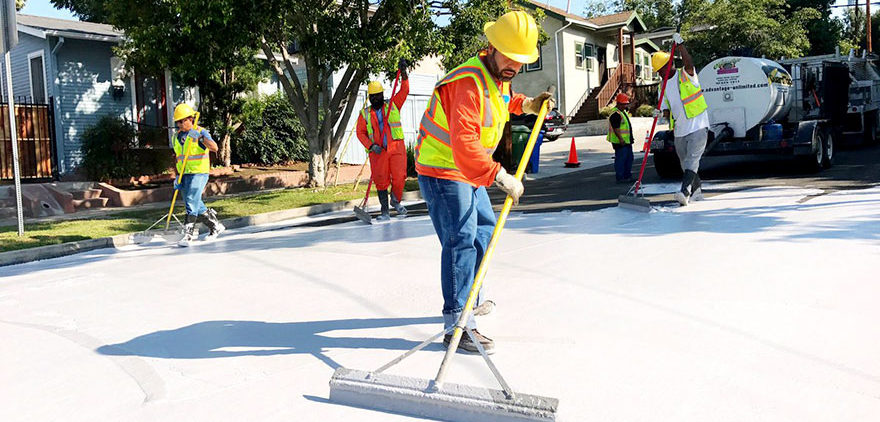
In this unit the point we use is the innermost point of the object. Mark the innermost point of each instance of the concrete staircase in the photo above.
(88, 198)
(588, 109)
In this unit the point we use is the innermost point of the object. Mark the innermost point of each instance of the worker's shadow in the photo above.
(221, 339)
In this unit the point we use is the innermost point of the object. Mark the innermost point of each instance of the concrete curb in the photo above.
(70, 248)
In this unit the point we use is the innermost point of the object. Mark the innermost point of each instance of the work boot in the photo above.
(468, 346)
(401, 210)
(485, 308)
(384, 214)
(190, 232)
(213, 223)
(684, 195)
(697, 189)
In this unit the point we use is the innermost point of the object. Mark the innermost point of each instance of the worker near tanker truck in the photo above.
(620, 134)
(683, 104)
(459, 132)
(380, 131)
(193, 144)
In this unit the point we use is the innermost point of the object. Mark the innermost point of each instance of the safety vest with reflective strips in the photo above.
(434, 148)
(391, 114)
(199, 160)
(625, 129)
(691, 98)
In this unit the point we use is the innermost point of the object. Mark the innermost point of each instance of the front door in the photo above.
(152, 109)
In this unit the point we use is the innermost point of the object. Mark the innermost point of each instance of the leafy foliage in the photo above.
(644, 110)
(109, 153)
(272, 133)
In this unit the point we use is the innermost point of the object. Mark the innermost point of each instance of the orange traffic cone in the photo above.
(572, 156)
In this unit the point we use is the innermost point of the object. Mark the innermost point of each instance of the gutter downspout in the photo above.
(56, 99)
(561, 91)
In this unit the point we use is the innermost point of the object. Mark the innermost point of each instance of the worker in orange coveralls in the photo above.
(380, 131)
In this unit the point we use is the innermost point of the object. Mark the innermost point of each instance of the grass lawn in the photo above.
(52, 233)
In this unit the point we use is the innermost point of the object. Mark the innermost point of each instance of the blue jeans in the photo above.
(623, 161)
(191, 187)
(464, 221)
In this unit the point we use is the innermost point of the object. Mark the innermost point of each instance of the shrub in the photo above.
(644, 110)
(272, 133)
(109, 152)
(606, 111)
(411, 161)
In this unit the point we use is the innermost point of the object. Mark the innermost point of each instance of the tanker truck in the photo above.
(798, 107)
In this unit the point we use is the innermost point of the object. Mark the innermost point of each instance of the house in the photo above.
(67, 71)
(588, 60)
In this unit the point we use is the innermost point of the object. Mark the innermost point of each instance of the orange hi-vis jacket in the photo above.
(465, 102)
(362, 132)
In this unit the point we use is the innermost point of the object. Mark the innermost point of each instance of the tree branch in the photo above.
(294, 95)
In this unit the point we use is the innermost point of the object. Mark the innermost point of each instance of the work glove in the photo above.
(376, 149)
(677, 38)
(402, 65)
(657, 113)
(509, 184)
(176, 185)
(533, 105)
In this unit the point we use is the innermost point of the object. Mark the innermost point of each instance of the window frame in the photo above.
(41, 54)
(579, 52)
(540, 63)
(588, 58)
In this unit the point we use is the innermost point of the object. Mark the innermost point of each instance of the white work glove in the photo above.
(509, 184)
(657, 113)
(677, 38)
(533, 105)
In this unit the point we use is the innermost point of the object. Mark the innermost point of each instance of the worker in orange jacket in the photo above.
(380, 131)
(459, 132)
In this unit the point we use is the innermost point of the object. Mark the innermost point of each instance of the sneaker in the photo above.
(384, 217)
(190, 235)
(468, 346)
(681, 198)
(698, 195)
(485, 308)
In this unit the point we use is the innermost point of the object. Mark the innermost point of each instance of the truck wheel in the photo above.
(827, 147)
(814, 162)
(667, 165)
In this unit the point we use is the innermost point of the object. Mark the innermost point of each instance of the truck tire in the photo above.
(814, 162)
(827, 139)
(667, 165)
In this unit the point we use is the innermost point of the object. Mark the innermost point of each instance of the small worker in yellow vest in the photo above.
(459, 132)
(685, 106)
(380, 131)
(195, 175)
(620, 135)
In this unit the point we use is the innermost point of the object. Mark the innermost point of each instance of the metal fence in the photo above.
(36, 140)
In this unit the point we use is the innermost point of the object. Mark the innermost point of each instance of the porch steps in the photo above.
(86, 194)
(89, 203)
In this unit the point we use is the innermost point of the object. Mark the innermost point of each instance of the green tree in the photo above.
(19, 4)
(823, 31)
(655, 13)
(198, 40)
(749, 28)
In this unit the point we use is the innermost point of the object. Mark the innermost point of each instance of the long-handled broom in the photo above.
(436, 398)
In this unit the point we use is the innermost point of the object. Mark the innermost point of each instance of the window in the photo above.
(37, 74)
(532, 67)
(579, 58)
(589, 53)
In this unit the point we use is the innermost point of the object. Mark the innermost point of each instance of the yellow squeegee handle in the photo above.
(180, 174)
(490, 250)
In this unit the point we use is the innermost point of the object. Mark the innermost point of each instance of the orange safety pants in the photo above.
(389, 168)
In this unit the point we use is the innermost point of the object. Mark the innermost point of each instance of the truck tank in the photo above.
(744, 92)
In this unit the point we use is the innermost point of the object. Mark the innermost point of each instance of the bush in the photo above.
(644, 110)
(109, 152)
(411, 161)
(272, 133)
(606, 111)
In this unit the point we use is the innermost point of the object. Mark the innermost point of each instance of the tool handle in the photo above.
(181, 172)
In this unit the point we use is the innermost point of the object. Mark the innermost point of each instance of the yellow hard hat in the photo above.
(659, 59)
(514, 34)
(182, 111)
(375, 87)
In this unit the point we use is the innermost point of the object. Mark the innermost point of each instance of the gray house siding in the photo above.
(84, 94)
(21, 87)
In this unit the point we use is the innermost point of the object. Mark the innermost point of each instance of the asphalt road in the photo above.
(592, 189)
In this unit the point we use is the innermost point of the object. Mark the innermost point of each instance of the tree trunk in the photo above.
(224, 151)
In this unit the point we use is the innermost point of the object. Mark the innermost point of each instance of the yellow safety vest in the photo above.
(691, 96)
(199, 160)
(392, 117)
(433, 147)
(625, 128)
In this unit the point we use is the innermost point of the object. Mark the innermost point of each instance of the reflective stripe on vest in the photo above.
(199, 160)
(691, 96)
(625, 128)
(433, 148)
(393, 119)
